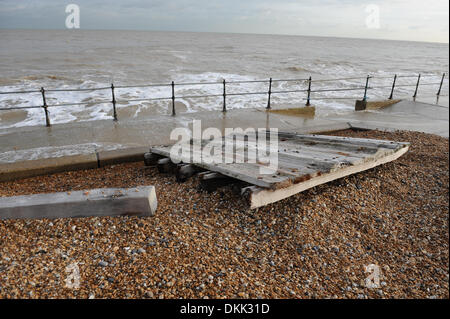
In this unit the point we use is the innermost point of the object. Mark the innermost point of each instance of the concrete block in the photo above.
(24, 169)
(360, 105)
(140, 201)
(135, 154)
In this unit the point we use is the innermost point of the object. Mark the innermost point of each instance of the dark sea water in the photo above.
(30, 59)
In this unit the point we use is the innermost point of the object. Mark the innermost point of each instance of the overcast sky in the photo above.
(417, 20)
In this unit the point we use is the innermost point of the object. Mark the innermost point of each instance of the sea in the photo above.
(71, 59)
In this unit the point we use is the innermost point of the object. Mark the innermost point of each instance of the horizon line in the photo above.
(223, 32)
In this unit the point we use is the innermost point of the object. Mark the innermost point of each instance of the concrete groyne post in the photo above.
(45, 106)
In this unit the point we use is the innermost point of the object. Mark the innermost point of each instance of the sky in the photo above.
(412, 20)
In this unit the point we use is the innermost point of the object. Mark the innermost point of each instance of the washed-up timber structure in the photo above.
(304, 161)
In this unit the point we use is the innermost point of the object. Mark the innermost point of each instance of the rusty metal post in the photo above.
(417, 87)
(365, 88)
(113, 102)
(309, 93)
(173, 98)
(440, 85)
(393, 87)
(270, 93)
(224, 109)
(45, 106)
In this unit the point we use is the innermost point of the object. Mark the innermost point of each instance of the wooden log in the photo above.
(258, 196)
(185, 171)
(151, 159)
(165, 165)
(212, 181)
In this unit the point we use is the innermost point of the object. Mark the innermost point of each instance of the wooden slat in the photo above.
(300, 158)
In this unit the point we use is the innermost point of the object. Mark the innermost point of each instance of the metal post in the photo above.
(113, 102)
(44, 105)
(270, 93)
(440, 85)
(309, 93)
(224, 97)
(173, 98)
(417, 87)
(393, 86)
(366, 87)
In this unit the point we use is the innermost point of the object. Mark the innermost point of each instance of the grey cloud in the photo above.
(323, 17)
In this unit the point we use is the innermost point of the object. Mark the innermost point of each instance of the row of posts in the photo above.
(224, 108)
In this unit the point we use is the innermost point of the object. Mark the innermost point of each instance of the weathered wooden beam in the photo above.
(165, 165)
(140, 201)
(258, 196)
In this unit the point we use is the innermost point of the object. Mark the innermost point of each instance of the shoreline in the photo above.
(39, 150)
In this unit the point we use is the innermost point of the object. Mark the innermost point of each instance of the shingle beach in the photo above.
(315, 244)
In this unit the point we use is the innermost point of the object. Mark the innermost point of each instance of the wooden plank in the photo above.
(347, 148)
(336, 141)
(259, 197)
(339, 140)
(300, 158)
